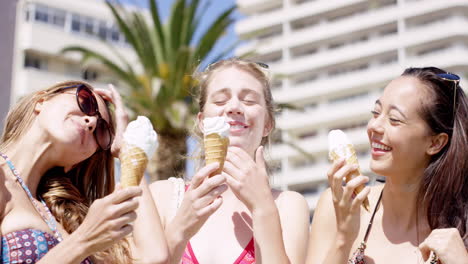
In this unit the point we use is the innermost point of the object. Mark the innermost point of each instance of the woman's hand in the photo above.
(248, 179)
(201, 200)
(346, 206)
(121, 117)
(447, 244)
(108, 219)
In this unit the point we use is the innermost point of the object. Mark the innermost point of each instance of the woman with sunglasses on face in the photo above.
(57, 197)
(234, 217)
(419, 142)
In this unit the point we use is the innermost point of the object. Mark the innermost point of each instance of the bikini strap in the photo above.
(48, 218)
(372, 217)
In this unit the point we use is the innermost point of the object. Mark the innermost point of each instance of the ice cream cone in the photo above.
(216, 150)
(351, 159)
(133, 164)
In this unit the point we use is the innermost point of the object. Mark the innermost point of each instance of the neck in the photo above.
(32, 158)
(399, 201)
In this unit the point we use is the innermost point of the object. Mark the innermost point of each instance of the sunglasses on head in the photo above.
(258, 63)
(89, 106)
(450, 77)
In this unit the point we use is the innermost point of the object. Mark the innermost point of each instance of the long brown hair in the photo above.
(444, 187)
(68, 194)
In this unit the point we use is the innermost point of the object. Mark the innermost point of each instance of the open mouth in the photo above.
(237, 125)
(380, 147)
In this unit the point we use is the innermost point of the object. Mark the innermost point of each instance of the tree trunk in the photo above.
(169, 159)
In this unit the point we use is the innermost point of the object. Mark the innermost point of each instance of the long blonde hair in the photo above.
(68, 194)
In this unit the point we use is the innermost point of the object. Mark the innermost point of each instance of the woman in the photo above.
(57, 202)
(418, 136)
(258, 224)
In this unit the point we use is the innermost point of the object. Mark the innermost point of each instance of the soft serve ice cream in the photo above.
(341, 147)
(140, 142)
(216, 140)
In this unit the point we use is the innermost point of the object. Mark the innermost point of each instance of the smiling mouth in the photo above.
(235, 125)
(380, 147)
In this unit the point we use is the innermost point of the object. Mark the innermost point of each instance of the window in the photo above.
(41, 14)
(115, 34)
(75, 24)
(58, 18)
(89, 26)
(102, 30)
(90, 75)
(33, 61)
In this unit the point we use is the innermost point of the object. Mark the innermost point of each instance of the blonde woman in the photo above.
(235, 216)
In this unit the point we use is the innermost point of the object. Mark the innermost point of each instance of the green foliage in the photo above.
(167, 53)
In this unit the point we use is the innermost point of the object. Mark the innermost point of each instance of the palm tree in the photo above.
(168, 55)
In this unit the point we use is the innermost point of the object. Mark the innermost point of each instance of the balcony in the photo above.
(47, 39)
(328, 114)
(329, 30)
(316, 174)
(345, 83)
(30, 79)
(255, 6)
(269, 19)
(317, 146)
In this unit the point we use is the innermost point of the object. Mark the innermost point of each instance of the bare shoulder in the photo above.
(324, 213)
(163, 194)
(288, 201)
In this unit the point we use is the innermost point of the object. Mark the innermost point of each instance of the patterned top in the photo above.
(246, 257)
(28, 246)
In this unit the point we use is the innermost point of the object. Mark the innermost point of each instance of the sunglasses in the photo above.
(89, 106)
(450, 77)
(257, 63)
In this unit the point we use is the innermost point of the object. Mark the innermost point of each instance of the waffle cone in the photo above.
(133, 162)
(352, 159)
(215, 150)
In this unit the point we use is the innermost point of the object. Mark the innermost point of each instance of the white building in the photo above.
(335, 57)
(45, 27)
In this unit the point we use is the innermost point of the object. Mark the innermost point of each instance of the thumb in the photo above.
(425, 250)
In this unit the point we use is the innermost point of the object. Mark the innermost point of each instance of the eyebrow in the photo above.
(394, 107)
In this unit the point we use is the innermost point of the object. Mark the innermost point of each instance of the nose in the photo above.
(234, 107)
(375, 125)
(91, 122)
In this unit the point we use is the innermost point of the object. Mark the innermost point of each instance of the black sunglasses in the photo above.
(451, 78)
(89, 106)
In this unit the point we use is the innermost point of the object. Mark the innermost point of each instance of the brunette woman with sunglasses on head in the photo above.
(57, 197)
(419, 141)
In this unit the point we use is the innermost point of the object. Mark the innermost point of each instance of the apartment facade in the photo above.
(332, 59)
(45, 27)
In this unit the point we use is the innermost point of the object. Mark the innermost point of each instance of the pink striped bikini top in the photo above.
(246, 257)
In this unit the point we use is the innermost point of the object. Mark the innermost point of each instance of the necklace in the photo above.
(49, 218)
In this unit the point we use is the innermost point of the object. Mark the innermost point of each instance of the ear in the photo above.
(39, 105)
(438, 142)
(200, 121)
(268, 127)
